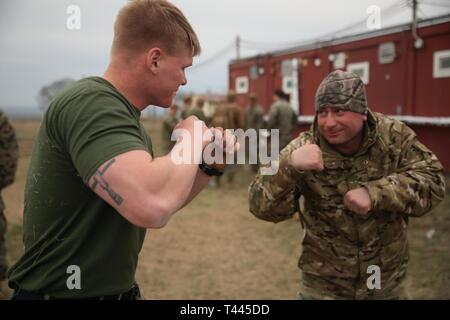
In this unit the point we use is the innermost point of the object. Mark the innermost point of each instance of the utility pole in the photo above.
(418, 42)
(238, 47)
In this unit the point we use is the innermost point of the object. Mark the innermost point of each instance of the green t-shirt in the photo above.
(65, 222)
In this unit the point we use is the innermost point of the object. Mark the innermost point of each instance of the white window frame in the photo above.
(439, 72)
(386, 47)
(241, 89)
(365, 66)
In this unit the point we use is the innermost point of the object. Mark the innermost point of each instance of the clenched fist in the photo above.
(307, 157)
(358, 201)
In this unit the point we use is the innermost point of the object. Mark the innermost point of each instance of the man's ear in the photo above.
(153, 59)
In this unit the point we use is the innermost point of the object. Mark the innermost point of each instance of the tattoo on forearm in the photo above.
(100, 180)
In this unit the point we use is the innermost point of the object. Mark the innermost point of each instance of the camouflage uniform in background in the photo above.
(228, 116)
(187, 104)
(282, 117)
(254, 117)
(8, 165)
(184, 113)
(196, 111)
(253, 120)
(404, 179)
(169, 123)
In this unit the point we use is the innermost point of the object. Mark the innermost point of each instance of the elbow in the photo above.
(438, 190)
(264, 213)
(156, 215)
(258, 205)
(149, 214)
(156, 224)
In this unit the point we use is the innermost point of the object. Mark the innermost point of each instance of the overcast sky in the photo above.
(37, 48)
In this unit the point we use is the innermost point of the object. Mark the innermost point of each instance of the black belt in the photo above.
(132, 294)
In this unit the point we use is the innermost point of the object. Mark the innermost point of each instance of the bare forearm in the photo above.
(201, 180)
(178, 182)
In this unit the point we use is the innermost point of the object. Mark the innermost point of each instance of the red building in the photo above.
(406, 76)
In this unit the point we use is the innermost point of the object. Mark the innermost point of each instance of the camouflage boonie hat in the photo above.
(342, 89)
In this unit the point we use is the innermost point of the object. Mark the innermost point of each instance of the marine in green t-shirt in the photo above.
(65, 222)
(93, 185)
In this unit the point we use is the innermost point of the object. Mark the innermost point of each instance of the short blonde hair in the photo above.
(142, 23)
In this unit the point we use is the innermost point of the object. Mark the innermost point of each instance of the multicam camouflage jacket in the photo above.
(8, 154)
(404, 179)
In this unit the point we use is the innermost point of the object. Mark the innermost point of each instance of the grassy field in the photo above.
(215, 249)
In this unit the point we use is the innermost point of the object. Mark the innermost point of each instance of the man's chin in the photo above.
(334, 140)
(166, 104)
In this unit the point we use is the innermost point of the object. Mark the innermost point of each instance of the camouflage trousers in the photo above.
(308, 293)
(3, 263)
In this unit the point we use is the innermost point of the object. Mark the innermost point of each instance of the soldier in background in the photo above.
(197, 110)
(169, 123)
(209, 108)
(362, 176)
(253, 120)
(228, 116)
(187, 103)
(282, 117)
(9, 154)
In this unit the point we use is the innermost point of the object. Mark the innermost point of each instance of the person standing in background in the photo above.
(9, 155)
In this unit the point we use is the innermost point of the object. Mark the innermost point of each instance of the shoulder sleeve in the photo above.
(93, 129)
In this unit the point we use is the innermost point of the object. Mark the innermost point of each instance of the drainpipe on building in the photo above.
(418, 41)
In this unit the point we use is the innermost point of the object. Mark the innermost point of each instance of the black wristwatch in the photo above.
(210, 171)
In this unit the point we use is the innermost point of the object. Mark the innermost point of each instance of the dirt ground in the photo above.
(215, 249)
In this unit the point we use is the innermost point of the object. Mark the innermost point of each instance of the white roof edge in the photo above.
(419, 120)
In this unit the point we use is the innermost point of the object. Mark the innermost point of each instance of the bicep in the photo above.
(123, 182)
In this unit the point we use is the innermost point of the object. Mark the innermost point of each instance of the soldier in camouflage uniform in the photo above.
(169, 123)
(228, 116)
(197, 110)
(8, 166)
(362, 175)
(253, 114)
(253, 120)
(187, 102)
(282, 117)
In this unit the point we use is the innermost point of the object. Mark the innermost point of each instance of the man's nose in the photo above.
(330, 121)
(184, 80)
